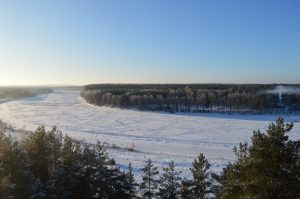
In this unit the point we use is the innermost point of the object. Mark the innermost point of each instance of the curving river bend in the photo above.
(159, 136)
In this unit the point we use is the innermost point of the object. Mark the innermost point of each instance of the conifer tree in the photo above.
(170, 182)
(103, 178)
(186, 191)
(38, 153)
(14, 182)
(269, 168)
(39, 190)
(150, 182)
(67, 180)
(131, 184)
(201, 177)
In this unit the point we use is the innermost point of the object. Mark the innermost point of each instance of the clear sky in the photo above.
(149, 41)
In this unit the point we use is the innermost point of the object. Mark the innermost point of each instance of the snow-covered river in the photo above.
(159, 136)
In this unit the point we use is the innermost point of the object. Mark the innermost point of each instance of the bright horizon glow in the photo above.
(81, 42)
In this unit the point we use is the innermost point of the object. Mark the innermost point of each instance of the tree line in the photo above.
(192, 97)
(20, 92)
(48, 165)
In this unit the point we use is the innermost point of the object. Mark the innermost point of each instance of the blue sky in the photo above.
(149, 41)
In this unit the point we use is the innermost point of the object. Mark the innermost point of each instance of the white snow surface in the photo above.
(160, 136)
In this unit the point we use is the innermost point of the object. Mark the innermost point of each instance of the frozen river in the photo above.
(161, 137)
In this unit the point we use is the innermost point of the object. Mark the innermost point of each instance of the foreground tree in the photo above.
(170, 182)
(62, 168)
(186, 191)
(150, 181)
(15, 178)
(41, 151)
(49, 165)
(201, 183)
(131, 184)
(269, 168)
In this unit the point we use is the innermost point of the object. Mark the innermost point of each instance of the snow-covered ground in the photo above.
(159, 136)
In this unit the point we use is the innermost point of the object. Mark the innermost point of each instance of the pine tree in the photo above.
(186, 191)
(38, 190)
(201, 177)
(150, 182)
(131, 184)
(273, 162)
(170, 182)
(68, 180)
(38, 153)
(14, 181)
(269, 168)
(104, 178)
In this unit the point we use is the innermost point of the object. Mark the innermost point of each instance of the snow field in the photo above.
(160, 136)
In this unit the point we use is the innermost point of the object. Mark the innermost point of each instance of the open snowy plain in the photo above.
(160, 136)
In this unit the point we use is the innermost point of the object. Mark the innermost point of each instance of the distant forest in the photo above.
(239, 98)
(7, 93)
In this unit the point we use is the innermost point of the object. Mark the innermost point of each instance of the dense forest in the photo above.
(242, 98)
(7, 93)
(47, 164)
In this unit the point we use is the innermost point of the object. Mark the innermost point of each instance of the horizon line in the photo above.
(153, 83)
